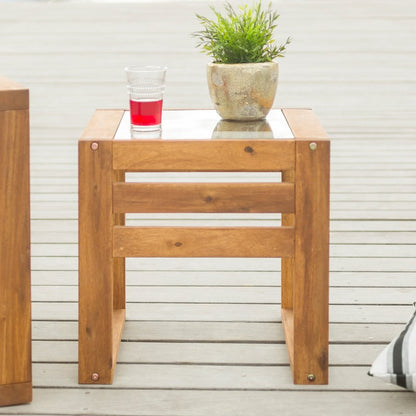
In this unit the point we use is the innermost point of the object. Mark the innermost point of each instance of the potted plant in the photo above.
(242, 79)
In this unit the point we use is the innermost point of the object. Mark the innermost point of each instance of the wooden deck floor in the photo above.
(204, 337)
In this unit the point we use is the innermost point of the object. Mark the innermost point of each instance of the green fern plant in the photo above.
(240, 36)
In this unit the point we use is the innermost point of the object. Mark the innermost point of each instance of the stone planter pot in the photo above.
(243, 92)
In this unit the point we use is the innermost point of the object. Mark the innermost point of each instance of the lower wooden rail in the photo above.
(203, 242)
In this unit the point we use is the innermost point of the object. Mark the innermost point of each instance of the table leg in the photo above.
(287, 262)
(305, 300)
(311, 263)
(100, 325)
(119, 262)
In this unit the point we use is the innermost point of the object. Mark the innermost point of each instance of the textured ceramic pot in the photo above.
(243, 91)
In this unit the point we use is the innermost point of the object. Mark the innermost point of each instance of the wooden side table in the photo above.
(15, 310)
(291, 141)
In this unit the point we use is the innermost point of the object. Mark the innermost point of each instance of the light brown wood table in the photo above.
(15, 310)
(291, 141)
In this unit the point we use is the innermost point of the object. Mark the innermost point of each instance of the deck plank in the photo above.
(216, 353)
(216, 403)
(208, 377)
(232, 295)
(213, 312)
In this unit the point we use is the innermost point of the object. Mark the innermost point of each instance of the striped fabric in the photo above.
(397, 362)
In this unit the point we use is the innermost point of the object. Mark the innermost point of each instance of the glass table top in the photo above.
(207, 125)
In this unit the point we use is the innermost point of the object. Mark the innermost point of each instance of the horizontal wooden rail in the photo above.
(304, 124)
(204, 156)
(103, 125)
(203, 197)
(203, 241)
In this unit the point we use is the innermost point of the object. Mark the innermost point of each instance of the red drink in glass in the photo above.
(146, 113)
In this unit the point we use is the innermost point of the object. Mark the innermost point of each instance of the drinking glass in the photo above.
(146, 85)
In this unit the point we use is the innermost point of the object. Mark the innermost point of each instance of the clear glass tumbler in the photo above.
(146, 86)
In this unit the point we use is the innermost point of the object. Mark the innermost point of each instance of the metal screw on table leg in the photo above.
(94, 146)
(311, 377)
(313, 146)
(95, 376)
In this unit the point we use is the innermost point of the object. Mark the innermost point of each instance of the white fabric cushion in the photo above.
(397, 362)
